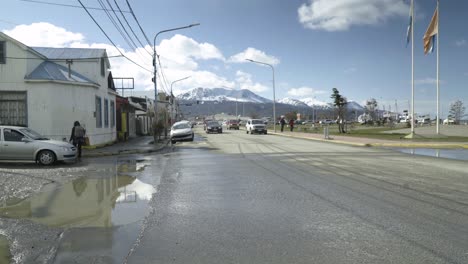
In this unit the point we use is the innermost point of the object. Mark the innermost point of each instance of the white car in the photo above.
(255, 126)
(449, 121)
(24, 144)
(181, 131)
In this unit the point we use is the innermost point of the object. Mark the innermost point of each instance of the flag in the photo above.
(431, 32)
(410, 26)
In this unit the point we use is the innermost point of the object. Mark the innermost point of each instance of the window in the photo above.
(112, 110)
(103, 67)
(12, 135)
(2, 52)
(106, 113)
(98, 112)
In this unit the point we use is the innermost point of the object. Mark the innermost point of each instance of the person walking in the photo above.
(291, 124)
(78, 136)
(282, 122)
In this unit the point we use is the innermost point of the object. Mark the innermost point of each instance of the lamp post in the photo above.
(155, 68)
(172, 96)
(274, 96)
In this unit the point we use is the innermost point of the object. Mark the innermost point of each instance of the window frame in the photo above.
(106, 112)
(3, 52)
(98, 112)
(112, 108)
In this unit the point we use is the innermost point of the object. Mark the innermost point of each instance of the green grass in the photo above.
(370, 132)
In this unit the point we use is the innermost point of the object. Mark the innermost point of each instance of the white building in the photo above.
(47, 89)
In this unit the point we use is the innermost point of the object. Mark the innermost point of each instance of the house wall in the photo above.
(53, 107)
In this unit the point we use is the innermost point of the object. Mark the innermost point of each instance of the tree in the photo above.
(371, 107)
(457, 111)
(340, 103)
(291, 115)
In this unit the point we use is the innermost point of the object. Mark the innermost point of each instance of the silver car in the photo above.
(24, 144)
(181, 131)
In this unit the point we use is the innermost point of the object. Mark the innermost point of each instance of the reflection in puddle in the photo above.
(459, 154)
(5, 256)
(105, 202)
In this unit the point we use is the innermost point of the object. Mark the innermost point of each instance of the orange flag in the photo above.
(431, 31)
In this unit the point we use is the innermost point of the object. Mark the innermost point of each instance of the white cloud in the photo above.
(339, 15)
(44, 34)
(253, 54)
(304, 92)
(244, 81)
(350, 70)
(427, 81)
(461, 43)
(178, 55)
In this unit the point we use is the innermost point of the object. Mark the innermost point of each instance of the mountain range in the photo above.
(220, 95)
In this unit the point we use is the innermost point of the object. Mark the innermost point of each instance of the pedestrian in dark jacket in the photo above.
(282, 122)
(78, 136)
(291, 124)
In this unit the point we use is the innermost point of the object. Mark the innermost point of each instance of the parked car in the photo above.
(232, 124)
(326, 122)
(214, 127)
(25, 144)
(306, 122)
(449, 121)
(255, 126)
(181, 131)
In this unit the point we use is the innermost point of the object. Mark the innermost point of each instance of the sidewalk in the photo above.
(370, 142)
(142, 144)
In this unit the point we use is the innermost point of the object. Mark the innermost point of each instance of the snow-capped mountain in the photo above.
(291, 101)
(312, 102)
(352, 105)
(221, 95)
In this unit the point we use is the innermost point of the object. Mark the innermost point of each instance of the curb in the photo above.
(125, 152)
(392, 145)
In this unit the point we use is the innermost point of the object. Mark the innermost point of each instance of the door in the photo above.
(13, 148)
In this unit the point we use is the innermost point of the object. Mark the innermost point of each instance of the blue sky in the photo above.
(357, 46)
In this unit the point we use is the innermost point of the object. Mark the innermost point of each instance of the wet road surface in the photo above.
(237, 198)
(240, 198)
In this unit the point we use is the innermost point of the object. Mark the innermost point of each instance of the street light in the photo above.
(172, 96)
(274, 96)
(154, 64)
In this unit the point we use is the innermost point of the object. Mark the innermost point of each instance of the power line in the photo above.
(130, 27)
(102, 30)
(128, 39)
(75, 59)
(58, 4)
(111, 18)
(142, 31)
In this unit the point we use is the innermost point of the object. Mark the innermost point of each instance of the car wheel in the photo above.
(265, 132)
(173, 142)
(46, 157)
(246, 131)
(192, 137)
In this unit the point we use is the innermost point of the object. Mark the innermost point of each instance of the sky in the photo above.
(357, 46)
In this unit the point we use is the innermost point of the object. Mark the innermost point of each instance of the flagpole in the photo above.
(412, 68)
(438, 48)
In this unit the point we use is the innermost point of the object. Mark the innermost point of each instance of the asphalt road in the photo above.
(238, 198)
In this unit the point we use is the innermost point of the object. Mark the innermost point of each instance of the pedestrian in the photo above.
(291, 124)
(282, 122)
(78, 136)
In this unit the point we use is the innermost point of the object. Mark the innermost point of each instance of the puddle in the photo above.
(105, 202)
(458, 154)
(5, 256)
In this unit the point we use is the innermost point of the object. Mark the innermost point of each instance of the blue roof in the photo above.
(54, 72)
(70, 53)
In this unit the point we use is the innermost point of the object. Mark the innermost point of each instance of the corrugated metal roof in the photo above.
(70, 53)
(55, 72)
